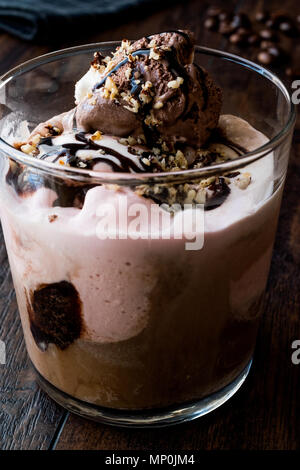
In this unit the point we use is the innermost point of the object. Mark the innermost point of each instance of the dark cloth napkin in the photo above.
(56, 19)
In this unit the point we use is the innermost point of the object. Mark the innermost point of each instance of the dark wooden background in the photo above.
(265, 412)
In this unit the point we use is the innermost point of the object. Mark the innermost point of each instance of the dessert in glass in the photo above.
(128, 320)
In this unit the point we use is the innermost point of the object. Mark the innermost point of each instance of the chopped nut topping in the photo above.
(191, 194)
(35, 140)
(96, 136)
(141, 139)
(128, 73)
(29, 149)
(243, 180)
(151, 120)
(152, 43)
(52, 217)
(207, 182)
(134, 108)
(146, 94)
(111, 88)
(52, 130)
(146, 86)
(181, 160)
(131, 140)
(156, 150)
(164, 147)
(200, 196)
(146, 161)
(125, 45)
(154, 54)
(175, 83)
(158, 105)
(132, 58)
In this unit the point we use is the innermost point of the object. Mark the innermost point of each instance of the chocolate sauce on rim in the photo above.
(69, 150)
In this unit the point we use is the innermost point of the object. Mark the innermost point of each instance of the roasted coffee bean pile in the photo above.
(264, 34)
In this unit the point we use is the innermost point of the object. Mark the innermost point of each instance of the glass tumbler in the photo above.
(128, 327)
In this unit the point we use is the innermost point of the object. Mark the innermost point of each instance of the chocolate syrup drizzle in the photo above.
(69, 151)
(123, 62)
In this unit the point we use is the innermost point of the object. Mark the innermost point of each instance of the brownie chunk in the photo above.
(55, 315)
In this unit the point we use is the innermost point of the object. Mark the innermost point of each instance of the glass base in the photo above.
(145, 418)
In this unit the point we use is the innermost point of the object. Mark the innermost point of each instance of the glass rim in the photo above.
(150, 178)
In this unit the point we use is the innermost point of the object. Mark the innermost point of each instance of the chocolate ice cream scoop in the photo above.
(151, 88)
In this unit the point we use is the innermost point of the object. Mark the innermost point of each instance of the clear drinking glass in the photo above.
(137, 332)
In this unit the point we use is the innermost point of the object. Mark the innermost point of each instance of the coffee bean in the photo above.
(225, 28)
(268, 34)
(262, 16)
(266, 44)
(211, 23)
(293, 73)
(270, 23)
(238, 39)
(275, 51)
(288, 28)
(264, 57)
(225, 16)
(278, 18)
(240, 20)
(214, 11)
(253, 40)
(244, 31)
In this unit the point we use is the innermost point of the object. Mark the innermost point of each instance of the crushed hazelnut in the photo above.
(200, 196)
(146, 161)
(243, 180)
(156, 151)
(158, 105)
(52, 217)
(154, 54)
(128, 73)
(125, 45)
(207, 182)
(131, 140)
(175, 83)
(35, 140)
(152, 43)
(131, 58)
(164, 147)
(96, 136)
(134, 104)
(180, 159)
(27, 148)
(111, 87)
(151, 120)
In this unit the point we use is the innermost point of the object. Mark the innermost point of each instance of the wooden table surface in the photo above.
(264, 414)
